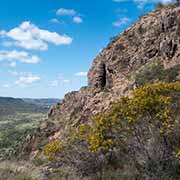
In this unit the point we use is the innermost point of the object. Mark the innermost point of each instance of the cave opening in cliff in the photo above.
(104, 78)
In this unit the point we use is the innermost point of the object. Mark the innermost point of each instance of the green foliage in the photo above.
(148, 73)
(114, 127)
(143, 127)
(37, 161)
(13, 131)
(12, 106)
(52, 149)
(153, 72)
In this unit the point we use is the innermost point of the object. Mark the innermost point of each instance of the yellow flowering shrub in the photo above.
(178, 154)
(52, 149)
(157, 103)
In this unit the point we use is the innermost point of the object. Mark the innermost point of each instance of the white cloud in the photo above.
(14, 73)
(66, 81)
(18, 56)
(77, 20)
(81, 74)
(6, 86)
(12, 64)
(60, 80)
(29, 36)
(121, 21)
(65, 12)
(167, 1)
(70, 12)
(55, 21)
(7, 44)
(120, 0)
(54, 83)
(27, 80)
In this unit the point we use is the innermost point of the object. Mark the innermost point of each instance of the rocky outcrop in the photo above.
(97, 75)
(168, 47)
(156, 36)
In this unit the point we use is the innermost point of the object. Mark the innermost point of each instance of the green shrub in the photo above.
(154, 72)
(38, 161)
(138, 137)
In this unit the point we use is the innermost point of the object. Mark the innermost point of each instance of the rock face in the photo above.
(97, 74)
(155, 37)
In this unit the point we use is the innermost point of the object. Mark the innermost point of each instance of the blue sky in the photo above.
(47, 46)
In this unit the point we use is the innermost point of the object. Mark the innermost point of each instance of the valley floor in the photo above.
(13, 130)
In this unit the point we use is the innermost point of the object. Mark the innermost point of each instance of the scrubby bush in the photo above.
(137, 137)
(146, 128)
(154, 72)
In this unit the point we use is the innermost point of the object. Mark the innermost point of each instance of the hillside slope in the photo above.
(143, 64)
(45, 102)
(150, 46)
(11, 106)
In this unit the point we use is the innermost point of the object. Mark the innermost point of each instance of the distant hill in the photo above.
(10, 106)
(46, 102)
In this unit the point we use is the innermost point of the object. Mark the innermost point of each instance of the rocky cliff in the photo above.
(154, 39)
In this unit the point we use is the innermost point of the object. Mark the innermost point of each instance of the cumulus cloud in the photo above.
(121, 21)
(65, 12)
(77, 20)
(167, 1)
(66, 81)
(81, 74)
(55, 20)
(29, 36)
(13, 73)
(5, 85)
(54, 83)
(70, 12)
(60, 80)
(27, 80)
(21, 73)
(12, 64)
(18, 56)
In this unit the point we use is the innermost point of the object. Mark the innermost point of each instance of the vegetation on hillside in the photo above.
(13, 131)
(11, 106)
(154, 72)
(137, 138)
(19, 118)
